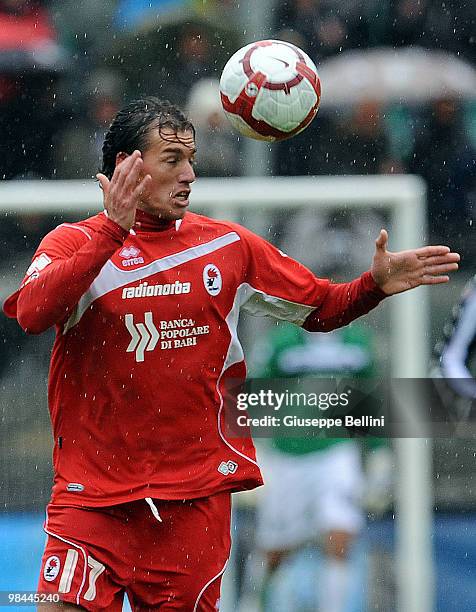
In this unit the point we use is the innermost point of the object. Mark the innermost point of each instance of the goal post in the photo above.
(403, 199)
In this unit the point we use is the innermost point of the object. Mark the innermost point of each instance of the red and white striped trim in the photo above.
(54, 535)
(67, 574)
(256, 302)
(234, 355)
(195, 607)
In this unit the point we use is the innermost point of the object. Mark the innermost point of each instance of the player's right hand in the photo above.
(123, 192)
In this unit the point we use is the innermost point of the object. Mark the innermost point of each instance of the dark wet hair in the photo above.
(132, 125)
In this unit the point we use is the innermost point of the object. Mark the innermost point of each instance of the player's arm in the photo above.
(69, 259)
(64, 266)
(391, 273)
(283, 288)
(345, 302)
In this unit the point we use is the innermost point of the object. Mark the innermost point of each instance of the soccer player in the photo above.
(145, 298)
(456, 355)
(321, 478)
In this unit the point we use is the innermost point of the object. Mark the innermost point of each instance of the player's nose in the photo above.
(188, 174)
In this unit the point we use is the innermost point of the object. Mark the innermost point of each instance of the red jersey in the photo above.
(146, 338)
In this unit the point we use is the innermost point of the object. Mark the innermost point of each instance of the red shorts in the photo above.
(95, 555)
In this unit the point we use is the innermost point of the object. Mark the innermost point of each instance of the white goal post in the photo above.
(403, 198)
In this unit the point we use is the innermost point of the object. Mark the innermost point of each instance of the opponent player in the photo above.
(145, 298)
(457, 357)
(321, 478)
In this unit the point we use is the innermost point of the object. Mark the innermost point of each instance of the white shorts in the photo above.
(307, 495)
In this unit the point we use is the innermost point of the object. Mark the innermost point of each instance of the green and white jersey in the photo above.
(291, 352)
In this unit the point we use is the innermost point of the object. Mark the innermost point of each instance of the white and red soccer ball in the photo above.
(270, 90)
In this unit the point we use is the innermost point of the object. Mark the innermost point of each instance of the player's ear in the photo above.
(120, 157)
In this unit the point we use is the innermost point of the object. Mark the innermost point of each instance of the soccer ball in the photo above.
(270, 90)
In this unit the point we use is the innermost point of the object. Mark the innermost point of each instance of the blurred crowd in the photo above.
(66, 68)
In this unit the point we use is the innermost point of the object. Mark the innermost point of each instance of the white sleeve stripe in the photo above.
(179, 258)
(263, 304)
(111, 277)
(76, 227)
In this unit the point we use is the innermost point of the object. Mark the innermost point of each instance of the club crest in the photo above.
(212, 279)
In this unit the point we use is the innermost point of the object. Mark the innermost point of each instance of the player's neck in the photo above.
(147, 222)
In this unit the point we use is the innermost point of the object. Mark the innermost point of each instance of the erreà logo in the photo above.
(131, 256)
(212, 279)
(227, 467)
(144, 335)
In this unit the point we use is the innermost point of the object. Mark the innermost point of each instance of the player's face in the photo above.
(169, 161)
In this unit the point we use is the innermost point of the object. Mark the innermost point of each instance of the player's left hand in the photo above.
(397, 272)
